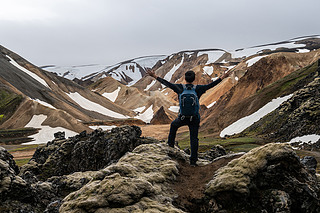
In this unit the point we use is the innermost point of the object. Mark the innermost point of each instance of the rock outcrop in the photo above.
(84, 152)
(266, 179)
(160, 117)
(298, 116)
(146, 178)
(138, 182)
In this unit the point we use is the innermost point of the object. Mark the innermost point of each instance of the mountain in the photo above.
(32, 97)
(104, 96)
(127, 72)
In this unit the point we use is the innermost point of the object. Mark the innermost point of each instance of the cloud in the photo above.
(68, 32)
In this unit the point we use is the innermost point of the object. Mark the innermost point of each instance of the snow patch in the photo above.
(210, 105)
(254, 50)
(306, 139)
(112, 96)
(92, 106)
(213, 55)
(168, 76)
(44, 103)
(247, 121)
(103, 127)
(174, 109)
(303, 50)
(252, 61)
(208, 70)
(33, 75)
(139, 109)
(72, 72)
(147, 115)
(46, 133)
(150, 85)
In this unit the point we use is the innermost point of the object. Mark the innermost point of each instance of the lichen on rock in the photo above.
(138, 181)
(273, 168)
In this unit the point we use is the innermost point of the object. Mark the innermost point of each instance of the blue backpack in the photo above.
(189, 102)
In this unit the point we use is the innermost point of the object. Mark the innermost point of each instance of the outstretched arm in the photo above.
(172, 86)
(224, 75)
(151, 73)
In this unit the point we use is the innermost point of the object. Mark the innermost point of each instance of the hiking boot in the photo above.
(171, 145)
(193, 163)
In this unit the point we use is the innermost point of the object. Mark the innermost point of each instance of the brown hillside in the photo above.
(231, 106)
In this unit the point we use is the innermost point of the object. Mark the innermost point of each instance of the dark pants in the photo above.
(193, 129)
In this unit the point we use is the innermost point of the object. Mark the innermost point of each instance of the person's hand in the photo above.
(224, 75)
(150, 72)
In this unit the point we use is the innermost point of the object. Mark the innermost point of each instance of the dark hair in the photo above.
(190, 76)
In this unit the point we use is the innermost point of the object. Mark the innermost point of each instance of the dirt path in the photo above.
(159, 132)
(22, 154)
(190, 184)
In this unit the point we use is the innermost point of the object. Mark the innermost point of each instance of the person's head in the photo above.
(189, 76)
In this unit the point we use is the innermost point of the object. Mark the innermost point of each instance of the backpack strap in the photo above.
(185, 86)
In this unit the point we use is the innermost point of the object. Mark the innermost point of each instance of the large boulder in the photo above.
(138, 182)
(270, 178)
(84, 152)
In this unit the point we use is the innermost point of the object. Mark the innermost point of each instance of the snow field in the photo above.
(92, 106)
(208, 70)
(168, 76)
(174, 109)
(112, 96)
(44, 103)
(33, 75)
(139, 109)
(247, 121)
(149, 61)
(213, 55)
(103, 127)
(246, 52)
(252, 61)
(305, 139)
(210, 105)
(46, 133)
(150, 85)
(147, 115)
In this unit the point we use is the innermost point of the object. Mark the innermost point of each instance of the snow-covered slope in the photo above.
(131, 71)
(127, 72)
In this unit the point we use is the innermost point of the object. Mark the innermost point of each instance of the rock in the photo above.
(84, 152)
(311, 164)
(214, 152)
(160, 117)
(265, 179)
(59, 135)
(11, 185)
(137, 182)
(296, 117)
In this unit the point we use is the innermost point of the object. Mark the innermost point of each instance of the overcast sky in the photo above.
(75, 32)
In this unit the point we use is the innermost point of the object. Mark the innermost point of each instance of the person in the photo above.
(193, 122)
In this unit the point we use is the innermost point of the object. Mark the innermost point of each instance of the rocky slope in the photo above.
(148, 176)
(298, 116)
(271, 77)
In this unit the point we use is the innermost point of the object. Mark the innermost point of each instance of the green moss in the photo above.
(21, 162)
(237, 144)
(25, 148)
(8, 104)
